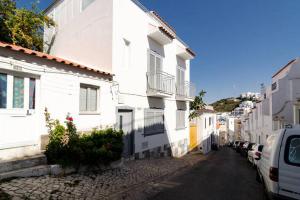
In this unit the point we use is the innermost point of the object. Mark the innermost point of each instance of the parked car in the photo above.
(246, 147)
(239, 146)
(254, 153)
(279, 166)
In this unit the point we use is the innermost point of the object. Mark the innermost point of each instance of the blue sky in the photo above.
(239, 43)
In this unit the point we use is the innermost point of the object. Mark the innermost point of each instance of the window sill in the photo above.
(180, 128)
(89, 113)
(16, 112)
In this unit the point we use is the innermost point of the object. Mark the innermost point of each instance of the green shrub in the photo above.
(67, 148)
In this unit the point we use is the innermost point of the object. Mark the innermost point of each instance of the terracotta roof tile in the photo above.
(190, 51)
(162, 20)
(50, 57)
(165, 31)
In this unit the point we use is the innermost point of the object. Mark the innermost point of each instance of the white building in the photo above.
(244, 108)
(151, 68)
(31, 81)
(253, 95)
(286, 95)
(206, 129)
(234, 128)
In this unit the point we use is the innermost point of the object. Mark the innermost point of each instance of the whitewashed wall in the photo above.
(84, 36)
(131, 24)
(205, 133)
(58, 87)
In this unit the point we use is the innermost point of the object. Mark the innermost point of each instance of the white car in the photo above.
(254, 154)
(279, 167)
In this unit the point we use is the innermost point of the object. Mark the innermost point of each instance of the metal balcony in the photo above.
(185, 91)
(160, 84)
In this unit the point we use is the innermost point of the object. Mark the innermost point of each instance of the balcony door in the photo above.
(180, 81)
(155, 70)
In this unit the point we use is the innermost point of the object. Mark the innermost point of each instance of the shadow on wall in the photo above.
(151, 139)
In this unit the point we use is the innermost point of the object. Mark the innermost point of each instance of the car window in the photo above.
(292, 150)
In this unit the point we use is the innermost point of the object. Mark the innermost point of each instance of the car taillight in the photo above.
(257, 154)
(273, 174)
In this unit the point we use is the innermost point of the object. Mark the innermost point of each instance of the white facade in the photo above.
(207, 133)
(55, 86)
(254, 95)
(286, 95)
(150, 63)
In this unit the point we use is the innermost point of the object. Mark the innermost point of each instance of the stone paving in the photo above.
(134, 180)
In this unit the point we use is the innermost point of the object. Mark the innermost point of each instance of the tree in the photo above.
(197, 104)
(21, 26)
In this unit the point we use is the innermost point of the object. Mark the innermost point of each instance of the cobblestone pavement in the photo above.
(135, 180)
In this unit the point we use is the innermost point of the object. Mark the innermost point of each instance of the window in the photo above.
(292, 151)
(85, 4)
(154, 122)
(32, 90)
(14, 89)
(180, 76)
(180, 119)
(274, 86)
(88, 98)
(205, 122)
(209, 121)
(3, 90)
(18, 92)
(155, 63)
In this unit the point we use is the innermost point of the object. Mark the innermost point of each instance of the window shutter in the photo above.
(92, 99)
(83, 99)
(153, 122)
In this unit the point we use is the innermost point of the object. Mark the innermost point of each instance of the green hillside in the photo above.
(226, 105)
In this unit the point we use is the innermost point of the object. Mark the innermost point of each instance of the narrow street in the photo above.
(224, 175)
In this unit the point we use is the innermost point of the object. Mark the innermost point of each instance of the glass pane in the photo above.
(92, 99)
(18, 92)
(86, 3)
(83, 99)
(294, 151)
(32, 89)
(152, 64)
(3, 90)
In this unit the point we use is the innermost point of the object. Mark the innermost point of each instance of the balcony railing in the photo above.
(186, 90)
(161, 82)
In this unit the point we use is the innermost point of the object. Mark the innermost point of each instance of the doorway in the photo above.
(125, 123)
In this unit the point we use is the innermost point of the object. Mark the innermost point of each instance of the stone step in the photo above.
(26, 162)
(35, 171)
(27, 172)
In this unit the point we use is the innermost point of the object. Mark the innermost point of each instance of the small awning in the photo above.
(185, 53)
(160, 34)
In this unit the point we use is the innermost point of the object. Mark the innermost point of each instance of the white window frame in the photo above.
(10, 110)
(156, 55)
(89, 86)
